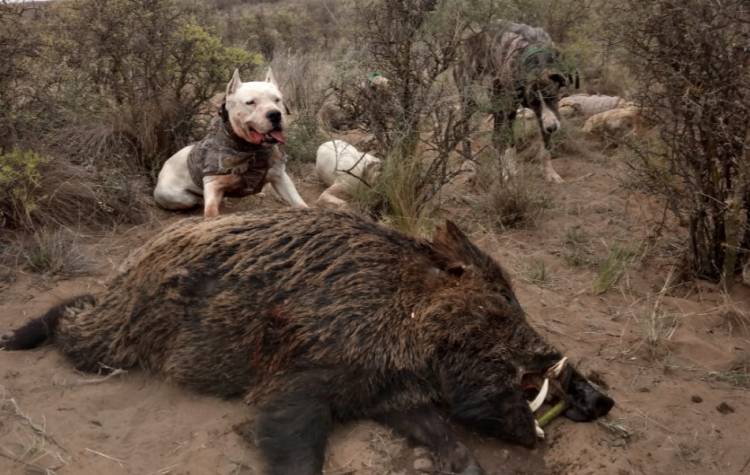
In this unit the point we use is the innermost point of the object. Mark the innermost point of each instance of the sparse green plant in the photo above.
(612, 268)
(366, 199)
(738, 373)
(739, 378)
(399, 195)
(20, 185)
(536, 272)
(303, 139)
(577, 247)
(618, 428)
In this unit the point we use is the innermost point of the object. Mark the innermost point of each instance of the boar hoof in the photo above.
(424, 465)
(473, 470)
(463, 463)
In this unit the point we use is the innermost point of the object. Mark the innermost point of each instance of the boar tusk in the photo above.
(541, 397)
(539, 430)
(556, 370)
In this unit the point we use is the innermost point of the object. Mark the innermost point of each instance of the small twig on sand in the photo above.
(747, 462)
(28, 466)
(581, 178)
(39, 430)
(120, 462)
(116, 372)
(166, 470)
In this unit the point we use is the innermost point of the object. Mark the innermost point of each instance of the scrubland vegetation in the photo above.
(97, 94)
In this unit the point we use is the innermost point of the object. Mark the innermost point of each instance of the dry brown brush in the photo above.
(148, 69)
(94, 96)
(413, 118)
(691, 61)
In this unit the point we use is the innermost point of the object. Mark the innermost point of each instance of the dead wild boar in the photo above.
(319, 317)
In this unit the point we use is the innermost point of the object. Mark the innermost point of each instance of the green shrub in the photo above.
(303, 139)
(147, 70)
(42, 191)
(20, 185)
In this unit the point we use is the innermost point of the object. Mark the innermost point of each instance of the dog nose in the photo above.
(274, 117)
(551, 128)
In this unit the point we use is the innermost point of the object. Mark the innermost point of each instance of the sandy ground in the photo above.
(666, 358)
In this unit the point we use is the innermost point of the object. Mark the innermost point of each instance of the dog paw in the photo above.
(552, 177)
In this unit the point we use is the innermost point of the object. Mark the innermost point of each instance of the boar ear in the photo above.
(450, 236)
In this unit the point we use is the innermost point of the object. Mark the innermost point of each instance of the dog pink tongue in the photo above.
(278, 135)
(254, 137)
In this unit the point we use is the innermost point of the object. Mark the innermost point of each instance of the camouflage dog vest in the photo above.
(222, 152)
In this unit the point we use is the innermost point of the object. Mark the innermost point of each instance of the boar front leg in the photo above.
(428, 428)
(293, 427)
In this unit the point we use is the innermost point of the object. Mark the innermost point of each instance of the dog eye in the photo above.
(277, 100)
(250, 103)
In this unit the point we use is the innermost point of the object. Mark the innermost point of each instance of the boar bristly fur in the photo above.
(317, 317)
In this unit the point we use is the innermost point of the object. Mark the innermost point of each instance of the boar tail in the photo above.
(38, 330)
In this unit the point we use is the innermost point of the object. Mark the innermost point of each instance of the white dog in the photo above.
(238, 156)
(342, 168)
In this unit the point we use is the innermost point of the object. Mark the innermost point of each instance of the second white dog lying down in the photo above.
(616, 122)
(587, 105)
(342, 168)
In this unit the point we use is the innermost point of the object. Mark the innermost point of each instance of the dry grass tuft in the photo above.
(738, 374)
(399, 191)
(516, 202)
(39, 191)
(26, 442)
(577, 250)
(735, 318)
(48, 251)
(536, 272)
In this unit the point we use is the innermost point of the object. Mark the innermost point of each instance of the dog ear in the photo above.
(561, 80)
(223, 112)
(270, 77)
(234, 83)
